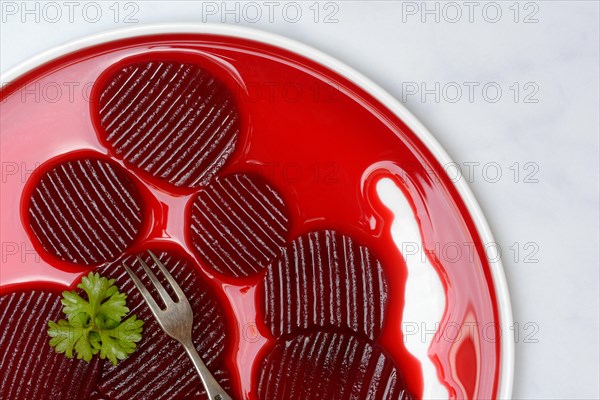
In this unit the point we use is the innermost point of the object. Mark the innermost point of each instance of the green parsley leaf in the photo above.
(94, 325)
(66, 337)
(119, 342)
(104, 303)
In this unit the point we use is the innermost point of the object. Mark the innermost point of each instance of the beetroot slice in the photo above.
(30, 367)
(238, 225)
(329, 365)
(159, 368)
(325, 279)
(96, 395)
(172, 120)
(85, 211)
(224, 380)
(220, 375)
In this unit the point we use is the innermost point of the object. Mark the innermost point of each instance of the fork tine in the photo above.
(166, 298)
(143, 291)
(172, 282)
(177, 322)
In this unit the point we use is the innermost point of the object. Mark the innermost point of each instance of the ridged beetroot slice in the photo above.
(173, 120)
(325, 279)
(238, 225)
(220, 375)
(96, 395)
(85, 211)
(329, 365)
(159, 368)
(223, 378)
(29, 366)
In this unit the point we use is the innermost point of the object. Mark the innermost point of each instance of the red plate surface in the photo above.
(313, 139)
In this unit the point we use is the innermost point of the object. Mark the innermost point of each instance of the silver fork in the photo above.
(176, 320)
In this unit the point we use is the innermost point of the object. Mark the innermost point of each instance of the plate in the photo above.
(243, 152)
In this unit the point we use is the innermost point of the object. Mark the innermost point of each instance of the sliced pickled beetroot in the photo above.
(30, 368)
(223, 378)
(329, 365)
(159, 368)
(85, 211)
(238, 225)
(325, 279)
(220, 375)
(172, 120)
(96, 395)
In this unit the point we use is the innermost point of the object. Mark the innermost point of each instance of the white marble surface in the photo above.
(556, 299)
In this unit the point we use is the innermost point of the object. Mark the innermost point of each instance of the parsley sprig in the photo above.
(95, 325)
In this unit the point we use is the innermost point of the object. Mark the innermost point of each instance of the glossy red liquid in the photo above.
(320, 140)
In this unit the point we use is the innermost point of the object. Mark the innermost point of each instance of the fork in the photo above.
(176, 320)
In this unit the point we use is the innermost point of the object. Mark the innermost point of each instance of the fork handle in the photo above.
(213, 389)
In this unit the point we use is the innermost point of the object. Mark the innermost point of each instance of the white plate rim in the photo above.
(507, 353)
